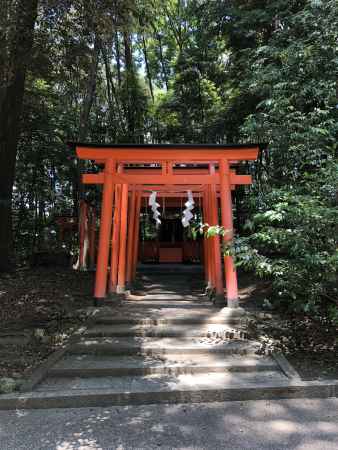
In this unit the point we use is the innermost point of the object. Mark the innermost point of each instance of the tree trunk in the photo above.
(85, 111)
(90, 92)
(118, 58)
(84, 122)
(164, 70)
(145, 54)
(11, 99)
(130, 79)
(111, 91)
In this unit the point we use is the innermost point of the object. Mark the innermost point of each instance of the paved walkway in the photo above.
(262, 425)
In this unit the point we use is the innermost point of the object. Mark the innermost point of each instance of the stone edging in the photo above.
(285, 366)
(108, 397)
(42, 370)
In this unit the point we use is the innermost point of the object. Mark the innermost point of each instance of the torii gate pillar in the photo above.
(227, 223)
(143, 167)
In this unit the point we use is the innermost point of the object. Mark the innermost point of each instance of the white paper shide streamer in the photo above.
(154, 207)
(187, 214)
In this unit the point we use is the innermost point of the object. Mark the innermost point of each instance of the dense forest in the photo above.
(179, 71)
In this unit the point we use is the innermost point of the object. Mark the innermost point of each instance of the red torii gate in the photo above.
(132, 171)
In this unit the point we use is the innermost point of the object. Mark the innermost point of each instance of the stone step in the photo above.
(193, 293)
(192, 298)
(169, 270)
(149, 384)
(262, 390)
(132, 301)
(178, 287)
(203, 330)
(161, 346)
(159, 321)
(168, 316)
(170, 345)
(87, 366)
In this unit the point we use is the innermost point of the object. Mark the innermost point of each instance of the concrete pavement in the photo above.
(299, 424)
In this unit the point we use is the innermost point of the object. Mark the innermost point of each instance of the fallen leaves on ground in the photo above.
(39, 309)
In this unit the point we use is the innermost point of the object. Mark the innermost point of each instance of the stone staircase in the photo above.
(167, 343)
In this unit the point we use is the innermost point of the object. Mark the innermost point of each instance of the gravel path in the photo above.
(274, 425)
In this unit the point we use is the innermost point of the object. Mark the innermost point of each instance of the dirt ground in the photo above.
(40, 308)
(310, 345)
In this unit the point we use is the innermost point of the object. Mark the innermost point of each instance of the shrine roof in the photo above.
(261, 146)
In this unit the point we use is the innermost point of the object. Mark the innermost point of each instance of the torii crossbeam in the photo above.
(132, 171)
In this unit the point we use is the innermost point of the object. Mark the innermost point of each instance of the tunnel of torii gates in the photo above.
(132, 172)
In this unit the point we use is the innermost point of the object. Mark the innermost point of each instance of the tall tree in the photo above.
(11, 98)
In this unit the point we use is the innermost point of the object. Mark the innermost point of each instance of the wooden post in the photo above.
(82, 234)
(210, 243)
(137, 232)
(207, 266)
(115, 245)
(227, 223)
(92, 238)
(105, 228)
(121, 280)
(131, 236)
(219, 298)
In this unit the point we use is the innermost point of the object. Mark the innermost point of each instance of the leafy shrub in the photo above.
(293, 242)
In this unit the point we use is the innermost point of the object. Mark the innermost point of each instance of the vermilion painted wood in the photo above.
(163, 179)
(82, 231)
(138, 162)
(168, 188)
(66, 224)
(172, 255)
(216, 241)
(131, 236)
(137, 233)
(193, 179)
(227, 223)
(156, 155)
(92, 238)
(205, 246)
(164, 171)
(211, 243)
(212, 281)
(115, 241)
(105, 228)
(121, 281)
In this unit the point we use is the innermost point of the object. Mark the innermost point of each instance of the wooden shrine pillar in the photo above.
(131, 236)
(136, 234)
(219, 297)
(121, 280)
(105, 229)
(115, 241)
(207, 242)
(83, 235)
(92, 238)
(227, 223)
(210, 242)
(138, 172)
(205, 246)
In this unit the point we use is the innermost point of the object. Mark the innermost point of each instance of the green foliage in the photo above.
(296, 73)
(194, 71)
(294, 205)
(297, 233)
(293, 241)
(190, 111)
